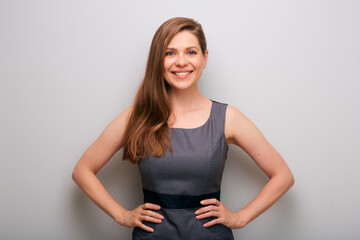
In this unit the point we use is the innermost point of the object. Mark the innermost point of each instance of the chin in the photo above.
(182, 85)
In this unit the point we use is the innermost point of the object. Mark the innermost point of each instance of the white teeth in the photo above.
(181, 73)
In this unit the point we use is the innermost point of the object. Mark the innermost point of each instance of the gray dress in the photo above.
(178, 182)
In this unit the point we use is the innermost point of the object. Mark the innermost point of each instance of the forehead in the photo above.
(184, 39)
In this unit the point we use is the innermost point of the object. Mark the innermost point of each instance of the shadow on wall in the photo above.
(122, 181)
(242, 181)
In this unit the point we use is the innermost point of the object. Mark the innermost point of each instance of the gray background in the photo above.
(67, 68)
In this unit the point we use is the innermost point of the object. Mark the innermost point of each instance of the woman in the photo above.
(179, 139)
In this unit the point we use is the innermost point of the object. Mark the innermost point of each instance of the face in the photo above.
(184, 61)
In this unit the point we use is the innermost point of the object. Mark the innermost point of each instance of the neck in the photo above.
(181, 100)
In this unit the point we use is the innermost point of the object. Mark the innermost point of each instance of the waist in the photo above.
(173, 201)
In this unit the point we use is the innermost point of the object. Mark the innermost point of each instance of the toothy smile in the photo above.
(181, 73)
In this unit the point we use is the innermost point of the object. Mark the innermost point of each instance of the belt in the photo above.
(174, 201)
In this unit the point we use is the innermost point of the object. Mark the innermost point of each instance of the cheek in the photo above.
(198, 64)
(167, 64)
(166, 71)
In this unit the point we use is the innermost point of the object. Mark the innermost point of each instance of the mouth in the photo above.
(183, 73)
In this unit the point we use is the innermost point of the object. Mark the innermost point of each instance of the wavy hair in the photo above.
(147, 130)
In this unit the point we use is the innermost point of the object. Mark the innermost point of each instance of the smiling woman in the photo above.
(184, 61)
(179, 139)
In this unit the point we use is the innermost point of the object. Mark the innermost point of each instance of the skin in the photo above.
(190, 110)
(239, 130)
(184, 54)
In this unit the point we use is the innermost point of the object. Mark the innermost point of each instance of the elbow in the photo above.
(75, 174)
(290, 179)
(81, 173)
(286, 179)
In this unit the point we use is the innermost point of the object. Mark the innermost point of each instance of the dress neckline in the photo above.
(201, 126)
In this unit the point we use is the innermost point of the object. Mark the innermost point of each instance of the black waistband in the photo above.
(177, 201)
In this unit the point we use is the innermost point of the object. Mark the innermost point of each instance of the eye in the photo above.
(192, 53)
(169, 54)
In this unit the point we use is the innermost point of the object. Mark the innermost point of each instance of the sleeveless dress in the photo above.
(178, 182)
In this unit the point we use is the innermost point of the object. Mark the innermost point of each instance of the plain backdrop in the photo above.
(68, 67)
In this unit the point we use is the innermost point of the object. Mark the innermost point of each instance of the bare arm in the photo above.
(240, 131)
(94, 158)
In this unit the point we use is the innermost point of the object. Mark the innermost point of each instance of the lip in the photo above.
(181, 71)
(181, 76)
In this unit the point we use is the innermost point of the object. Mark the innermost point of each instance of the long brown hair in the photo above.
(147, 131)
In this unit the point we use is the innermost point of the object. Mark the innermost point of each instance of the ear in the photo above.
(205, 58)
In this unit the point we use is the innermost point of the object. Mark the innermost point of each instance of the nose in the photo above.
(181, 60)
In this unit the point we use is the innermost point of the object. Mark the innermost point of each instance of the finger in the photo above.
(150, 206)
(152, 214)
(210, 201)
(212, 222)
(206, 209)
(207, 214)
(146, 228)
(151, 219)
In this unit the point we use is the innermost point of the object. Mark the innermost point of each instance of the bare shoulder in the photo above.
(234, 118)
(121, 119)
(113, 133)
(119, 122)
(238, 127)
(231, 121)
(232, 113)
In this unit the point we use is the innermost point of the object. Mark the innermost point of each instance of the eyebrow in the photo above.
(185, 49)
